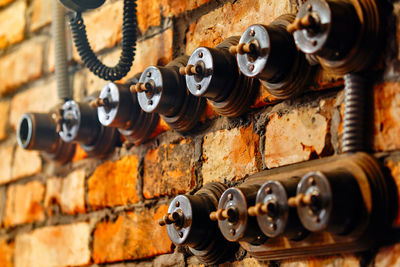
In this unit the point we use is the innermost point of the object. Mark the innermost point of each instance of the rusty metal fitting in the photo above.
(213, 73)
(166, 94)
(343, 34)
(269, 53)
(38, 131)
(121, 110)
(78, 122)
(188, 224)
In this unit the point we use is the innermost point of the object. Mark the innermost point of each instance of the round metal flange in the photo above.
(252, 65)
(203, 61)
(313, 41)
(179, 232)
(273, 195)
(82, 5)
(316, 215)
(71, 116)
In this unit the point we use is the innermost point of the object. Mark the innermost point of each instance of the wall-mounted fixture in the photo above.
(342, 34)
(274, 215)
(78, 122)
(270, 54)
(117, 107)
(213, 73)
(188, 224)
(38, 131)
(163, 90)
(232, 216)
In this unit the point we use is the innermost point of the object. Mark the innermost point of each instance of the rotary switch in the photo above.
(232, 216)
(117, 107)
(163, 90)
(270, 54)
(329, 202)
(274, 216)
(38, 131)
(78, 122)
(213, 73)
(188, 224)
(343, 34)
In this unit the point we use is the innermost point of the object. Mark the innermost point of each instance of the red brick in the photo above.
(114, 183)
(32, 100)
(230, 154)
(26, 163)
(175, 7)
(148, 14)
(169, 170)
(15, 71)
(132, 236)
(68, 193)
(298, 135)
(24, 204)
(386, 115)
(65, 245)
(6, 253)
(40, 14)
(6, 155)
(388, 256)
(4, 109)
(233, 19)
(12, 24)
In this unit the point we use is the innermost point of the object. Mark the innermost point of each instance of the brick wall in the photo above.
(91, 211)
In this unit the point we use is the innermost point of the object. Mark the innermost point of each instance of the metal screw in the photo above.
(252, 33)
(273, 226)
(314, 42)
(232, 231)
(177, 204)
(311, 181)
(180, 234)
(150, 102)
(230, 197)
(198, 87)
(200, 54)
(148, 74)
(268, 190)
(251, 67)
(309, 8)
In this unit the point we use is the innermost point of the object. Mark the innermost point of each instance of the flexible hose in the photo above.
(354, 121)
(60, 50)
(91, 61)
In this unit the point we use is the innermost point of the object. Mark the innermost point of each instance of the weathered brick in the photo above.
(15, 71)
(148, 14)
(114, 183)
(31, 100)
(230, 154)
(40, 14)
(24, 204)
(134, 235)
(394, 167)
(233, 19)
(6, 253)
(106, 20)
(388, 256)
(54, 246)
(68, 193)
(4, 109)
(12, 24)
(346, 260)
(6, 155)
(169, 170)
(175, 7)
(5, 2)
(387, 116)
(154, 51)
(26, 163)
(249, 262)
(298, 135)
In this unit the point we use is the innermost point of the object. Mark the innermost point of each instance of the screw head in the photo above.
(232, 231)
(309, 7)
(311, 181)
(198, 87)
(252, 33)
(200, 54)
(180, 234)
(150, 102)
(177, 204)
(148, 74)
(314, 42)
(268, 190)
(230, 197)
(251, 67)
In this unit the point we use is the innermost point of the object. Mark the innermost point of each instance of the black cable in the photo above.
(129, 37)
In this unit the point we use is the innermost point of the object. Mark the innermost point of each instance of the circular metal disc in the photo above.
(273, 192)
(149, 102)
(70, 111)
(198, 84)
(233, 198)
(249, 66)
(179, 234)
(312, 42)
(107, 115)
(315, 218)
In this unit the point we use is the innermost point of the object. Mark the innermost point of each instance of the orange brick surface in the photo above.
(12, 23)
(6, 253)
(132, 236)
(114, 183)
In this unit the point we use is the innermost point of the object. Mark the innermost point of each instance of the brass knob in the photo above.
(243, 48)
(99, 102)
(189, 70)
(302, 23)
(300, 200)
(170, 218)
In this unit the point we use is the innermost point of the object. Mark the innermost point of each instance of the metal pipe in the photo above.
(60, 50)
